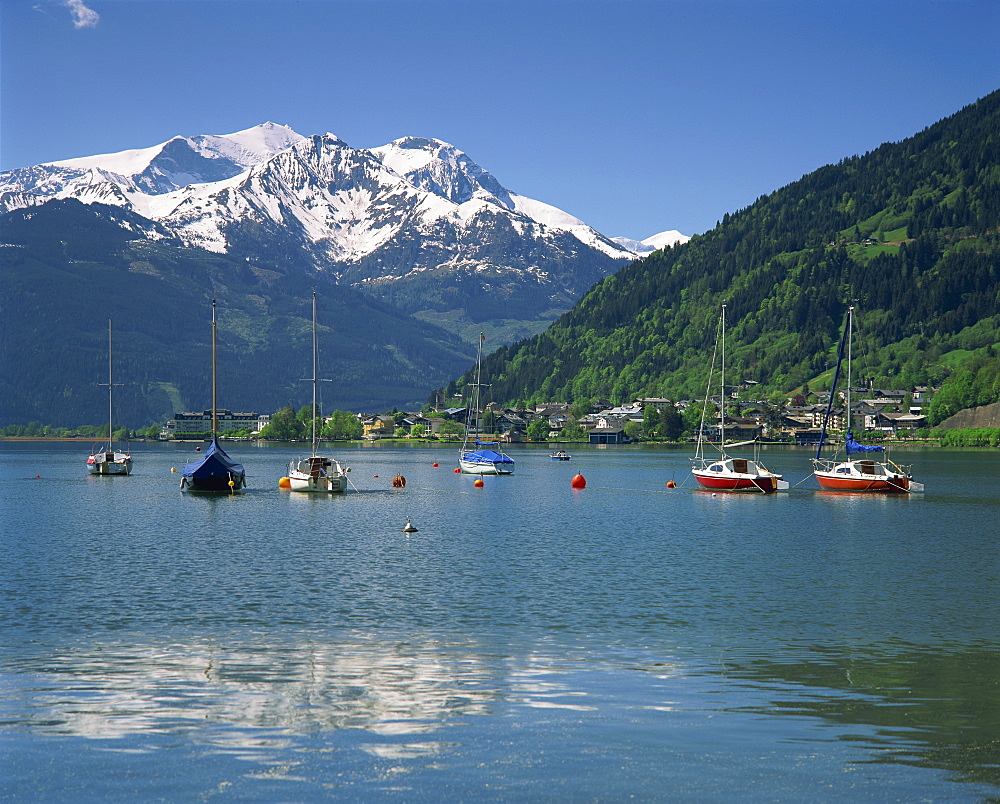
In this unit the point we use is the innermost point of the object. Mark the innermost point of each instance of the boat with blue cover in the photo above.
(215, 471)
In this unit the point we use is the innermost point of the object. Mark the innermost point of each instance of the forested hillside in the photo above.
(69, 267)
(910, 232)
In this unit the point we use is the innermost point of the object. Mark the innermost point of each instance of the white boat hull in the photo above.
(106, 463)
(317, 475)
(477, 468)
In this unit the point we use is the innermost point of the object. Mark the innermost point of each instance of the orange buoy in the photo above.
(434, 464)
(457, 470)
(578, 481)
(284, 483)
(479, 483)
(671, 484)
(374, 475)
(399, 482)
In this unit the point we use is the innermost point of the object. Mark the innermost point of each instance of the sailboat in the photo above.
(316, 473)
(105, 459)
(725, 472)
(215, 471)
(857, 474)
(473, 459)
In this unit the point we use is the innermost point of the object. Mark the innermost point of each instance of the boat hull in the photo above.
(736, 474)
(214, 485)
(477, 468)
(720, 482)
(895, 484)
(317, 485)
(120, 464)
(864, 476)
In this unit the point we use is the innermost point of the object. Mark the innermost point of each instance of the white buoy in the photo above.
(408, 527)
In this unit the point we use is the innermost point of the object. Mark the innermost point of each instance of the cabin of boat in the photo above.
(863, 475)
(737, 474)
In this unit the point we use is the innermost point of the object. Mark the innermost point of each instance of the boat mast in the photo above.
(833, 385)
(214, 414)
(111, 385)
(850, 340)
(722, 376)
(315, 372)
(479, 380)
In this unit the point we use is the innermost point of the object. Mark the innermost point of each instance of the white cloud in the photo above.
(83, 17)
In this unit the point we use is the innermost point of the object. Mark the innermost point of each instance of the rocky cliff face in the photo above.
(983, 416)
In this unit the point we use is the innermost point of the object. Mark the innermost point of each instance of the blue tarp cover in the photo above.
(486, 456)
(215, 463)
(854, 446)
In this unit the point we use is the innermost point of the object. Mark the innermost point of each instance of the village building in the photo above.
(227, 421)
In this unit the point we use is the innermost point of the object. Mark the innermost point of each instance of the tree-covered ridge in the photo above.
(69, 267)
(910, 232)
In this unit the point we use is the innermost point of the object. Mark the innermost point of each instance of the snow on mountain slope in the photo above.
(250, 146)
(443, 169)
(343, 203)
(181, 161)
(652, 243)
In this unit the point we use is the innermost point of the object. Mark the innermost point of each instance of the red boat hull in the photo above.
(715, 482)
(892, 485)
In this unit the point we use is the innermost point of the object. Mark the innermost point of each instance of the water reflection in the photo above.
(268, 704)
(117, 691)
(932, 708)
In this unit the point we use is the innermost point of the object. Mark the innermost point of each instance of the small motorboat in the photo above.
(561, 455)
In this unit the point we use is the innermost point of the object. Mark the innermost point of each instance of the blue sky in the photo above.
(636, 116)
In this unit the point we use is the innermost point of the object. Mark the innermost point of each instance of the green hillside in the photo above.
(911, 231)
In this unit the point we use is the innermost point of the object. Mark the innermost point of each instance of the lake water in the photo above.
(529, 642)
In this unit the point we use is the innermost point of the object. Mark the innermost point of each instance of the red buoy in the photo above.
(457, 470)
(478, 483)
(578, 481)
(671, 484)
(434, 464)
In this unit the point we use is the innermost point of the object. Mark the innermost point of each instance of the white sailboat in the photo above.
(475, 457)
(857, 474)
(105, 459)
(725, 472)
(317, 473)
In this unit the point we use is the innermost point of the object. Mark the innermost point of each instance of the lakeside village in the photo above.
(876, 415)
(879, 414)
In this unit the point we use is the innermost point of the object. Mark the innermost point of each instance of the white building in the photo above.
(227, 421)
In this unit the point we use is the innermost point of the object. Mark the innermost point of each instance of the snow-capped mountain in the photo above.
(182, 174)
(416, 221)
(653, 243)
(182, 161)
